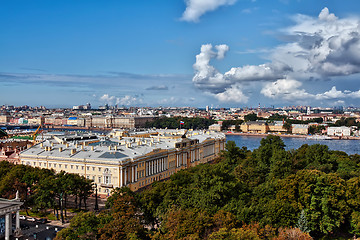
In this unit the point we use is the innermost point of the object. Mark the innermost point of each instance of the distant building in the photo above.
(276, 126)
(339, 131)
(215, 127)
(254, 127)
(4, 118)
(302, 129)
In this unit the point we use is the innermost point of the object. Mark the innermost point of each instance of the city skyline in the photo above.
(220, 53)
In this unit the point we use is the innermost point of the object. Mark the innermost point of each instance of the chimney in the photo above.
(52, 144)
(67, 145)
(76, 145)
(138, 142)
(92, 148)
(60, 149)
(82, 147)
(109, 147)
(73, 151)
(116, 148)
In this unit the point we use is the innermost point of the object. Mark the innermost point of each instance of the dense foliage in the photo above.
(173, 123)
(43, 189)
(270, 193)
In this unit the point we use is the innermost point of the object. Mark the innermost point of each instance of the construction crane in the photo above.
(38, 130)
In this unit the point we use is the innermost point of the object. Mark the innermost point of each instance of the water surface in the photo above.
(252, 142)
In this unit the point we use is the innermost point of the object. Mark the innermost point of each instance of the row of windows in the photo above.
(143, 183)
(59, 165)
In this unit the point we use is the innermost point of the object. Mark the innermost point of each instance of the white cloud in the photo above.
(196, 8)
(287, 89)
(325, 15)
(331, 94)
(319, 47)
(106, 98)
(233, 94)
(126, 100)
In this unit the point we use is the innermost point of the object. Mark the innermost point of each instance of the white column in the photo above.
(121, 177)
(132, 173)
(17, 220)
(146, 169)
(125, 173)
(157, 166)
(136, 174)
(7, 226)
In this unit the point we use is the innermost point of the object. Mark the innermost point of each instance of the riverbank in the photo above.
(286, 135)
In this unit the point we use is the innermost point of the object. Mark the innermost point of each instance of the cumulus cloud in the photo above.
(287, 89)
(126, 100)
(106, 98)
(319, 47)
(232, 94)
(196, 8)
(324, 46)
(209, 79)
(331, 94)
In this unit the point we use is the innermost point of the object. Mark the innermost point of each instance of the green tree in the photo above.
(82, 226)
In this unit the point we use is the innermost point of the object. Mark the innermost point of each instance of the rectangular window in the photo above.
(72, 166)
(65, 165)
(93, 168)
(99, 169)
(99, 179)
(77, 167)
(107, 180)
(88, 168)
(49, 164)
(59, 165)
(54, 165)
(82, 167)
(40, 164)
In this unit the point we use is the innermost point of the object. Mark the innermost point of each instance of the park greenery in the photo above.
(268, 193)
(43, 189)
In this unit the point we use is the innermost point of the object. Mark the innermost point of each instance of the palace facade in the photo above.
(134, 159)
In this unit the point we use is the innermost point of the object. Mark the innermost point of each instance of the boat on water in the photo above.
(318, 137)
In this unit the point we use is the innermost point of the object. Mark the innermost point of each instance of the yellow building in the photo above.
(254, 127)
(135, 162)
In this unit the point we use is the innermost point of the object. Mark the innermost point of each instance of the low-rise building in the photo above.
(339, 131)
(254, 127)
(277, 127)
(302, 129)
(215, 127)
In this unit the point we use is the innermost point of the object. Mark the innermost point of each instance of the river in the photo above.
(253, 142)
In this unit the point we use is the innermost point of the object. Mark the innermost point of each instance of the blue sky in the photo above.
(221, 53)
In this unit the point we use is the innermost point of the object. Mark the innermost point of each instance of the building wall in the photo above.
(4, 118)
(339, 131)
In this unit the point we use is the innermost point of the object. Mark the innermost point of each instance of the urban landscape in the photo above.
(184, 119)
